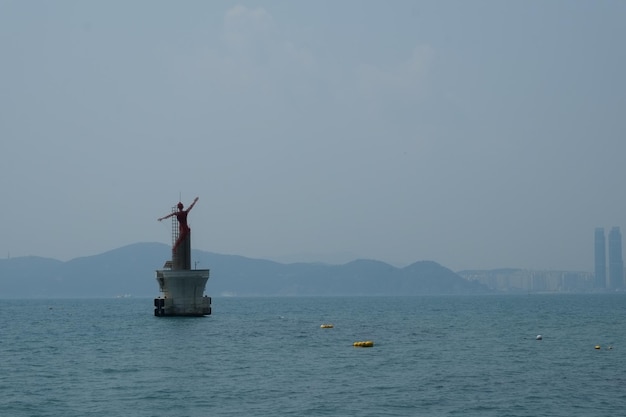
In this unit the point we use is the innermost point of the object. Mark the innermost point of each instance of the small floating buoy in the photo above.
(366, 343)
(539, 337)
(327, 326)
(597, 347)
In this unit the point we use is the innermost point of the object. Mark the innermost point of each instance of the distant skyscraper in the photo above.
(616, 264)
(600, 258)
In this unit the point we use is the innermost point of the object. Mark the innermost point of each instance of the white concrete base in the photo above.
(183, 293)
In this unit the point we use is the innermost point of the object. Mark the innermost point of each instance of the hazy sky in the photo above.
(477, 134)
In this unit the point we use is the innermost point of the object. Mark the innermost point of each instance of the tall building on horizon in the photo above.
(599, 280)
(616, 263)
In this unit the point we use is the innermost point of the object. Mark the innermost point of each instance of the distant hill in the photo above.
(130, 270)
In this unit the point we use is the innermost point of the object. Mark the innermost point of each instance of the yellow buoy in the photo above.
(366, 343)
(327, 326)
(597, 347)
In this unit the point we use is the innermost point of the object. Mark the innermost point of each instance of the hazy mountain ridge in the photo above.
(130, 270)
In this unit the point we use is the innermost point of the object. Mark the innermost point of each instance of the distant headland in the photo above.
(129, 270)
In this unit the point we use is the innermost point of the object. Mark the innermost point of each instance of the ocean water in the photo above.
(432, 356)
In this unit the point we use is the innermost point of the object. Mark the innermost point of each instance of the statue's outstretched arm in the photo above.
(193, 204)
(166, 217)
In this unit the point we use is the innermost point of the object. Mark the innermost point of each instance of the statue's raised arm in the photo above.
(192, 204)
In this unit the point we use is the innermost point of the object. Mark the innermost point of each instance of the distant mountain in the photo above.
(130, 270)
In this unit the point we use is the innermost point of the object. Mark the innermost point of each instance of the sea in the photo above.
(264, 356)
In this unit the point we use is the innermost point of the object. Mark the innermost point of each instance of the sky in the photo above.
(476, 134)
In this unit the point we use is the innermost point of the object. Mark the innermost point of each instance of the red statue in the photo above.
(181, 216)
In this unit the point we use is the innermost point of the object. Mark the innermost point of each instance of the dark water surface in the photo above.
(433, 356)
